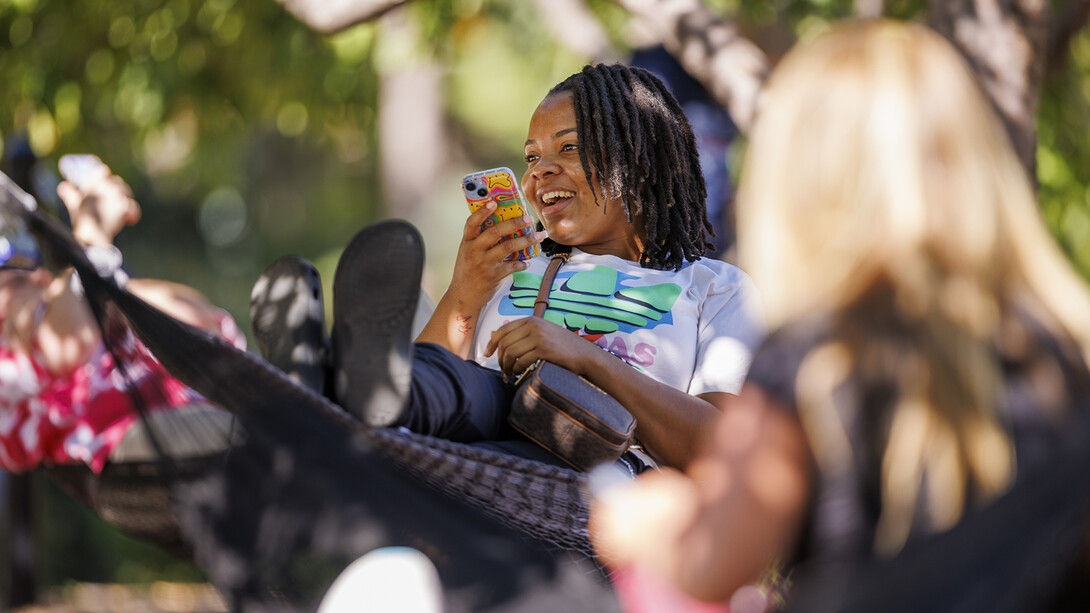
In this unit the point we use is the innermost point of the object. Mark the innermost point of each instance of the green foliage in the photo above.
(1063, 153)
(498, 76)
(187, 98)
(76, 545)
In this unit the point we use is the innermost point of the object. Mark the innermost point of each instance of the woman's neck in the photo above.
(627, 248)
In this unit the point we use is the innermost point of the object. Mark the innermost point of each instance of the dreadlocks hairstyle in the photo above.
(633, 133)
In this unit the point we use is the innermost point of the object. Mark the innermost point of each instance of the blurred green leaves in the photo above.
(186, 98)
(1063, 152)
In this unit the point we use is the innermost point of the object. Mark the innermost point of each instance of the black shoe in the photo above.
(288, 319)
(375, 292)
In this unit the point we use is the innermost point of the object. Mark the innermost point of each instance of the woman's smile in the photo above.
(553, 202)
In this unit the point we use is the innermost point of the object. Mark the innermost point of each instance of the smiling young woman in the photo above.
(613, 175)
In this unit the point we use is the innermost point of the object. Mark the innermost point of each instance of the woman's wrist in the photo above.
(106, 260)
(597, 361)
(465, 306)
(88, 234)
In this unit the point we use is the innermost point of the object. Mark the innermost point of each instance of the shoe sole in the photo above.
(375, 293)
(288, 320)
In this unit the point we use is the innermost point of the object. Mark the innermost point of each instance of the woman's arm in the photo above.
(57, 319)
(478, 271)
(181, 302)
(53, 320)
(669, 422)
(740, 507)
(753, 487)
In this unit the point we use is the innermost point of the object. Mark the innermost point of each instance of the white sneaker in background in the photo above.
(389, 580)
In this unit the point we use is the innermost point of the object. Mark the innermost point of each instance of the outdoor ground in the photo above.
(159, 597)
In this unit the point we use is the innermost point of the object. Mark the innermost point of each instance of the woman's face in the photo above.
(557, 188)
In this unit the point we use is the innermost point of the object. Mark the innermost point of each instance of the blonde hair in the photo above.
(877, 161)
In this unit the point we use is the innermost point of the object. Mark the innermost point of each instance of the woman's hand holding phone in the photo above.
(497, 237)
(484, 255)
(478, 271)
(499, 187)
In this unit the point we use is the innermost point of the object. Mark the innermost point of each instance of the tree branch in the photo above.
(575, 27)
(868, 8)
(330, 16)
(711, 49)
(1005, 42)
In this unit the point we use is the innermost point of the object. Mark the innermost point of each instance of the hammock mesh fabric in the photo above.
(308, 489)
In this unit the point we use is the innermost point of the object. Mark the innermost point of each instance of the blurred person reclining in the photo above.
(63, 403)
(929, 345)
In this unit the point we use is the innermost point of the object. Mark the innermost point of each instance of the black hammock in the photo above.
(283, 516)
(308, 489)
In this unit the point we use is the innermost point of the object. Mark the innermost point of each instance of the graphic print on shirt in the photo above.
(597, 302)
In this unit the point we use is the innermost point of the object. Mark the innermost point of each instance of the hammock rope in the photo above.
(543, 501)
(307, 488)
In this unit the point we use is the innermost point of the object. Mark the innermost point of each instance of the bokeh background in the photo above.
(246, 135)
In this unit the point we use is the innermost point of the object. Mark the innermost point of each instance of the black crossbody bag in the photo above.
(565, 413)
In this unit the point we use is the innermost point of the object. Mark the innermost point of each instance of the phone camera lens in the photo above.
(482, 192)
(471, 186)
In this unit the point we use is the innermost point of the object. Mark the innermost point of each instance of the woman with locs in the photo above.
(613, 175)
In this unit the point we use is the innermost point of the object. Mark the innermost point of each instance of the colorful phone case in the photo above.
(499, 185)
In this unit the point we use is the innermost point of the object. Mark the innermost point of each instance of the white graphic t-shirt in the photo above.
(694, 329)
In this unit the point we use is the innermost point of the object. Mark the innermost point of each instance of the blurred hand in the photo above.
(638, 523)
(102, 209)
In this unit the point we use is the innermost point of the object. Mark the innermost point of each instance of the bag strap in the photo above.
(542, 301)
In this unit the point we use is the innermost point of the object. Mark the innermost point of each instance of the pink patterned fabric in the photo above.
(82, 417)
(640, 591)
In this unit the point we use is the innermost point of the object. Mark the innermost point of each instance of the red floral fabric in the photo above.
(82, 417)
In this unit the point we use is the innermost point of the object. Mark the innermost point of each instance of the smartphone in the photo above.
(500, 186)
(80, 168)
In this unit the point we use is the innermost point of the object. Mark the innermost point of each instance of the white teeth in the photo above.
(551, 197)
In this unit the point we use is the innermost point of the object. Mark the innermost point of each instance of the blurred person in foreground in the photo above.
(930, 337)
(62, 400)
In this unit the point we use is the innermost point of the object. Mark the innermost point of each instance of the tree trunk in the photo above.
(578, 29)
(414, 145)
(329, 16)
(1005, 41)
(711, 49)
